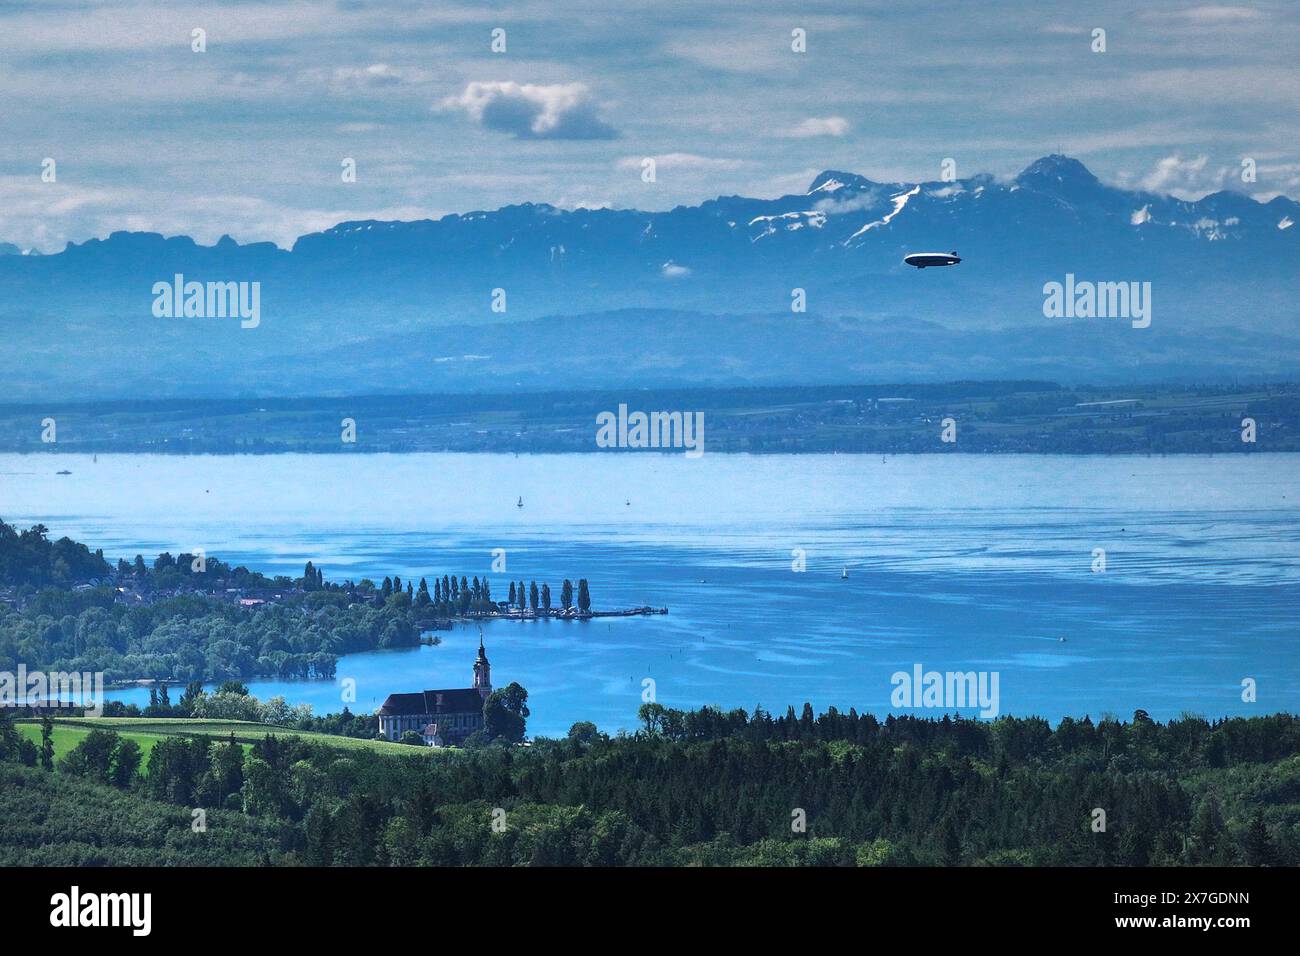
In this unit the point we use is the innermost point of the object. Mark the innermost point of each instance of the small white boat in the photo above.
(844, 574)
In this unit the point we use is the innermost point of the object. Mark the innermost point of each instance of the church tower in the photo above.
(482, 671)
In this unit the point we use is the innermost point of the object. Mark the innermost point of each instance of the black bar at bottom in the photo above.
(370, 905)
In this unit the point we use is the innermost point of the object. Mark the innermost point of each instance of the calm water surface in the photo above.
(956, 562)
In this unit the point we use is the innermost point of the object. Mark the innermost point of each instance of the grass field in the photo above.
(146, 732)
(66, 737)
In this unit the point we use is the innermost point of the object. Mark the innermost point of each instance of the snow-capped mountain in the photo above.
(1222, 262)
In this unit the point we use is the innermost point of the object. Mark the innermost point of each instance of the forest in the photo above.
(693, 787)
(195, 637)
(179, 618)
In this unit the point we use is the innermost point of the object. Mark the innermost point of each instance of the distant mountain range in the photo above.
(695, 295)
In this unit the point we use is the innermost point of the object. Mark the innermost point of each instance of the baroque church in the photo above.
(444, 718)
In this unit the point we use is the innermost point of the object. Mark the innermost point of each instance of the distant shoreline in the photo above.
(178, 452)
(995, 417)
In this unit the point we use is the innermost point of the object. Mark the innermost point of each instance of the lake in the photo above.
(955, 562)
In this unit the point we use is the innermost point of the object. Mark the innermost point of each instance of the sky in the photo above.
(248, 137)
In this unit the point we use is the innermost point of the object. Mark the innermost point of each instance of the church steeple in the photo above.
(482, 671)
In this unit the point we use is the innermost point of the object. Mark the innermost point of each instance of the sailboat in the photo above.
(520, 502)
(844, 574)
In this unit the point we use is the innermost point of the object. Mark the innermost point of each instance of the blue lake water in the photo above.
(955, 562)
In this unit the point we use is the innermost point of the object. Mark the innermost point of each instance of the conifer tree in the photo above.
(47, 743)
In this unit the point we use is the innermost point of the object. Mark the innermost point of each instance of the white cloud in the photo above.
(1185, 178)
(532, 111)
(1216, 14)
(128, 25)
(379, 74)
(736, 54)
(858, 202)
(45, 216)
(289, 87)
(681, 161)
(819, 126)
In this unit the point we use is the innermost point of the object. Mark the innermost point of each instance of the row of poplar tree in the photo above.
(464, 595)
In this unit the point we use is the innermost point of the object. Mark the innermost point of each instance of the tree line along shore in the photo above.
(194, 617)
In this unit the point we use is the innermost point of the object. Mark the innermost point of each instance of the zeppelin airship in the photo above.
(923, 259)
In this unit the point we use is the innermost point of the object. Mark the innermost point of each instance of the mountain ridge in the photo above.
(1042, 174)
(1220, 266)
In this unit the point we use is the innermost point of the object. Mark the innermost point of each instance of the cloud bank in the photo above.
(532, 111)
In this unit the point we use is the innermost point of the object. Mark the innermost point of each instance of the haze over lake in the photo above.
(955, 562)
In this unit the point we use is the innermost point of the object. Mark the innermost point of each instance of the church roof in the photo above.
(459, 700)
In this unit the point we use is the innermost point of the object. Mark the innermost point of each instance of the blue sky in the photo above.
(247, 138)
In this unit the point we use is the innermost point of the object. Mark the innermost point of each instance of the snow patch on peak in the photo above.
(899, 201)
(1286, 223)
(827, 187)
(832, 180)
(812, 218)
(1140, 216)
(1208, 228)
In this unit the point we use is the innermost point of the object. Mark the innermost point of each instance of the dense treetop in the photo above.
(715, 788)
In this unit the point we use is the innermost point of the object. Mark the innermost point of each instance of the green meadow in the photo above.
(146, 732)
